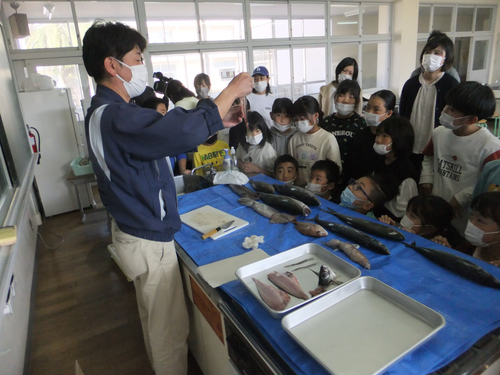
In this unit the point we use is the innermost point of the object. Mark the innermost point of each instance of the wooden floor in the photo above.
(84, 307)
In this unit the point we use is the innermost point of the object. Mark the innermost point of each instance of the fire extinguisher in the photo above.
(35, 146)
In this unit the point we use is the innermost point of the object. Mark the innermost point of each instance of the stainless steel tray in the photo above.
(362, 328)
(307, 279)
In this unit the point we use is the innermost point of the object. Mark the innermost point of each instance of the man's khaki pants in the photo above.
(160, 297)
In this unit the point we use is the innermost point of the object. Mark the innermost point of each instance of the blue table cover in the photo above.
(471, 310)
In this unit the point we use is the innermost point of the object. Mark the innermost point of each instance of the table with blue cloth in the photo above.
(471, 310)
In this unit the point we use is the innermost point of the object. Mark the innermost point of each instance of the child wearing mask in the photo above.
(458, 150)
(310, 143)
(324, 175)
(361, 156)
(261, 99)
(347, 69)
(255, 154)
(394, 142)
(202, 85)
(429, 216)
(345, 124)
(282, 129)
(365, 194)
(286, 169)
(211, 151)
(178, 162)
(483, 227)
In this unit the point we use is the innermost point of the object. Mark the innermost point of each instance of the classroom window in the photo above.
(424, 19)
(171, 22)
(480, 54)
(309, 67)
(375, 72)
(483, 19)
(376, 19)
(221, 21)
(442, 18)
(222, 67)
(183, 67)
(89, 11)
(50, 25)
(344, 19)
(269, 20)
(465, 18)
(308, 19)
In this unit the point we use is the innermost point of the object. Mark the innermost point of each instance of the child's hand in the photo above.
(386, 219)
(442, 241)
(186, 171)
(456, 207)
(249, 167)
(406, 229)
(425, 189)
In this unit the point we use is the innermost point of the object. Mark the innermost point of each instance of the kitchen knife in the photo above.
(212, 232)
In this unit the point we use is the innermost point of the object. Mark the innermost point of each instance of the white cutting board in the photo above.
(207, 218)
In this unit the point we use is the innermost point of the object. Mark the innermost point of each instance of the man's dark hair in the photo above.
(402, 134)
(472, 99)
(331, 169)
(348, 61)
(441, 40)
(349, 86)
(108, 39)
(286, 159)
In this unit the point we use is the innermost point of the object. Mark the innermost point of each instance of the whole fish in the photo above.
(351, 251)
(281, 218)
(299, 193)
(326, 276)
(261, 208)
(263, 187)
(243, 191)
(458, 265)
(288, 282)
(310, 229)
(275, 298)
(369, 226)
(287, 204)
(355, 235)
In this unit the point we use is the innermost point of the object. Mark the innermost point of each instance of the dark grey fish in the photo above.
(286, 204)
(458, 265)
(243, 191)
(356, 235)
(326, 276)
(369, 226)
(263, 187)
(299, 193)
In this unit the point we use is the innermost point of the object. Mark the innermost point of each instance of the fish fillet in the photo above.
(276, 299)
(288, 282)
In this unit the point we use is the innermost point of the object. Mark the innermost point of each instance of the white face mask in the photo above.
(431, 63)
(304, 126)
(314, 188)
(281, 128)
(447, 121)
(343, 77)
(475, 235)
(344, 109)
(372, 119)
(202, 92)
(382, 149)
(289, 182)
(407, 223)
(254, 139)
(139, 80)
(260, 86)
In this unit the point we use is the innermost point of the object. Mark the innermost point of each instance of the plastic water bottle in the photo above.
(234, 159)
(226, 164)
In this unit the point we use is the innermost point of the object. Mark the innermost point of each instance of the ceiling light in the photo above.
(48, 9)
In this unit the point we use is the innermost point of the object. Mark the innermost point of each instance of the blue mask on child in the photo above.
(347, 198)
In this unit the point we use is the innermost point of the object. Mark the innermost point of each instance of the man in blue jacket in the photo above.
(128, 146)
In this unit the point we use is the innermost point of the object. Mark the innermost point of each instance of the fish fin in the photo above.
(317, 274)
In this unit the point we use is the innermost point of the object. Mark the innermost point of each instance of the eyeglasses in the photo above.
(356, 186)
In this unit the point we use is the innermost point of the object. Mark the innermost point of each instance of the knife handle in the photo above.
(211, 233)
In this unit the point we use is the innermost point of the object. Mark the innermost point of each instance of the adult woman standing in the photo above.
(346, 69)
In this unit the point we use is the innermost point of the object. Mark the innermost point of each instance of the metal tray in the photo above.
(362, 328)
(307, 279)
